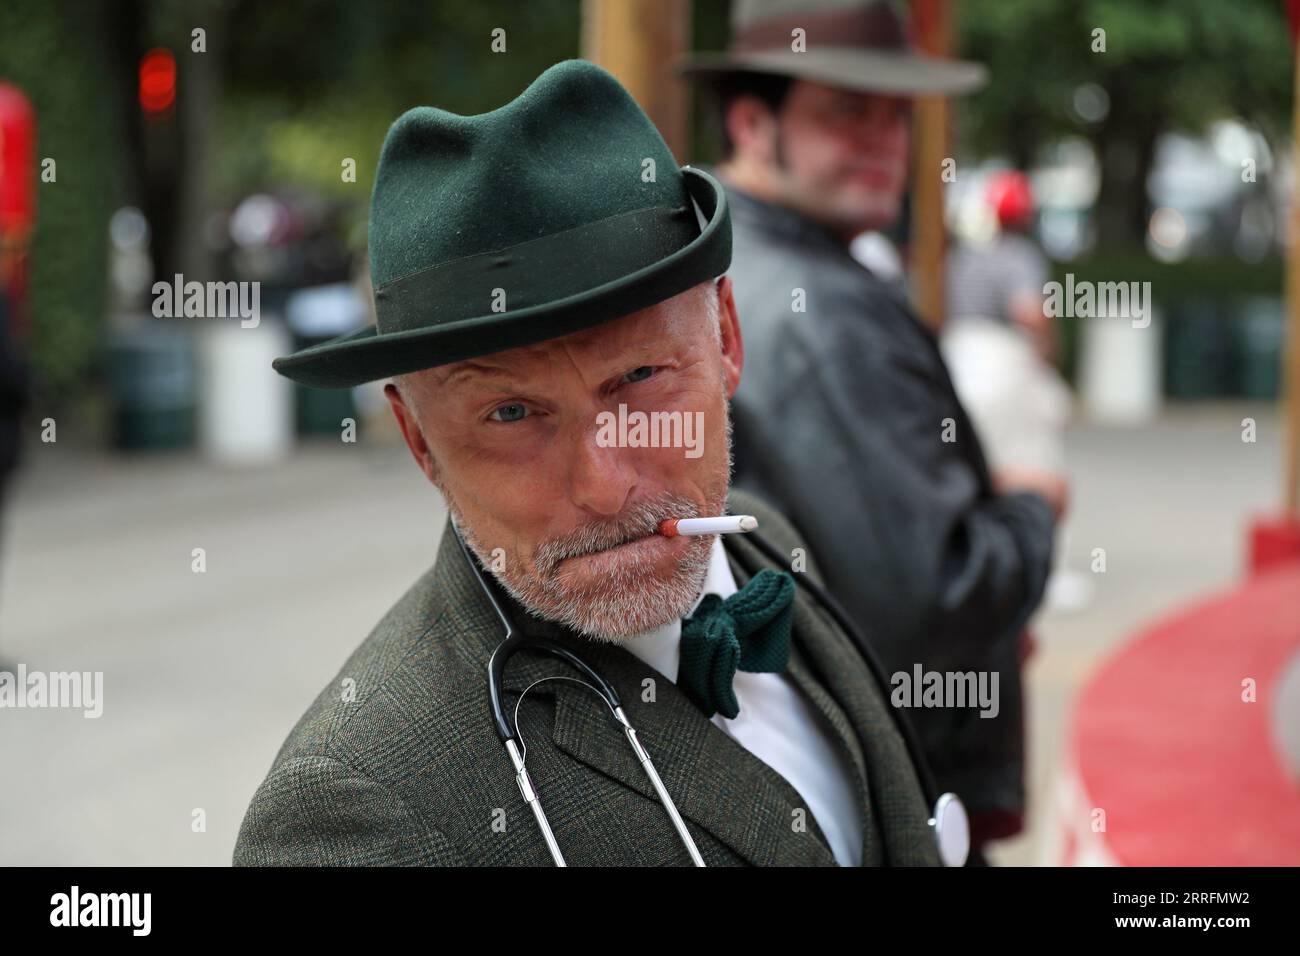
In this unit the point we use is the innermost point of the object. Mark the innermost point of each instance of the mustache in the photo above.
(638, 520)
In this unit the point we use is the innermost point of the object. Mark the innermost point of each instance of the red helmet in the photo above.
(1011, 198)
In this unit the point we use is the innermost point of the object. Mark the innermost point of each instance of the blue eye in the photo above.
(511, 412)
(636, 374)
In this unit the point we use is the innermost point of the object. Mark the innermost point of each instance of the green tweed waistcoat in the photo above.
(411, 772)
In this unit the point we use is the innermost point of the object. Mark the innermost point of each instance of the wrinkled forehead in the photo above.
(674, 324)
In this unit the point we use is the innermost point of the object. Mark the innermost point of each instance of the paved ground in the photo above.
(1170, 505)
(205, 673)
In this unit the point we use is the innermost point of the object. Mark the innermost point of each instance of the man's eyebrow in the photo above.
(462, 369)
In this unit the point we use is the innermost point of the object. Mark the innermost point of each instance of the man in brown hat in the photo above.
(847, 418)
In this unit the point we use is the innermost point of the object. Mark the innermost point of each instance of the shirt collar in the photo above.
(660, 647)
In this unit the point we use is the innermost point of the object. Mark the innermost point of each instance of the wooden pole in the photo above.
(930, 139)
(639, 41)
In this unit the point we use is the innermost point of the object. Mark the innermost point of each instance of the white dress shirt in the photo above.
(776, 723)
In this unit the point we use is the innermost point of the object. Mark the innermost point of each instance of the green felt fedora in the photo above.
(561, 210)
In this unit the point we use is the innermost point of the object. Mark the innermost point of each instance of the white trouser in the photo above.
(1018, 403)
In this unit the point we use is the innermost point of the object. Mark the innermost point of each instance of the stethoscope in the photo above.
(948, 822)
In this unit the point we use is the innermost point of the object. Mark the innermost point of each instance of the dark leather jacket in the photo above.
(846, 420)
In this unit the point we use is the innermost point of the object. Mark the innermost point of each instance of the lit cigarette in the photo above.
(726, 524)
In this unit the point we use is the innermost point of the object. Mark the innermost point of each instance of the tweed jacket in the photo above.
(411, 771)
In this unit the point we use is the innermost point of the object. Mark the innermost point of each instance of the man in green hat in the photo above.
(544, 288)
(847, 420)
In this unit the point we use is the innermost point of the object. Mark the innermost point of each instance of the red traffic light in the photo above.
(157, 80)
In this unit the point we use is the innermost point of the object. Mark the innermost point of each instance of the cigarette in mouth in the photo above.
(726, 524)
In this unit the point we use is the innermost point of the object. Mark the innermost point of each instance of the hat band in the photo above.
(878, 27)
(535, 272)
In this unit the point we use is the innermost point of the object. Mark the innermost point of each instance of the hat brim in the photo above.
(866, 71)
(367, 354)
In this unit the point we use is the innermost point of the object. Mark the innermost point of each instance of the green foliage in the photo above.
(1217, 285)
(1172, 63)
(303, 85)
(1204, 279)
(293, 110)
(710, 28)
(54, 58)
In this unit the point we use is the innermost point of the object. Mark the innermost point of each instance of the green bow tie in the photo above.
(749, 631)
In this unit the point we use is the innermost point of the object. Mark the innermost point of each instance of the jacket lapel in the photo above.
(845, 736)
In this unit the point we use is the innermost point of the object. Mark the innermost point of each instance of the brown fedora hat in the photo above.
(856, 44)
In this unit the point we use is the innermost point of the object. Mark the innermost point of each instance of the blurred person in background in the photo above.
(849, 421)
(1000, 345)
(998, 340)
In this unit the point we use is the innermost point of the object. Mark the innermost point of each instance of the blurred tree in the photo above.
(283, 93)
(1167, 64)
(309, 84)
(711, 30)
(55, 54)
